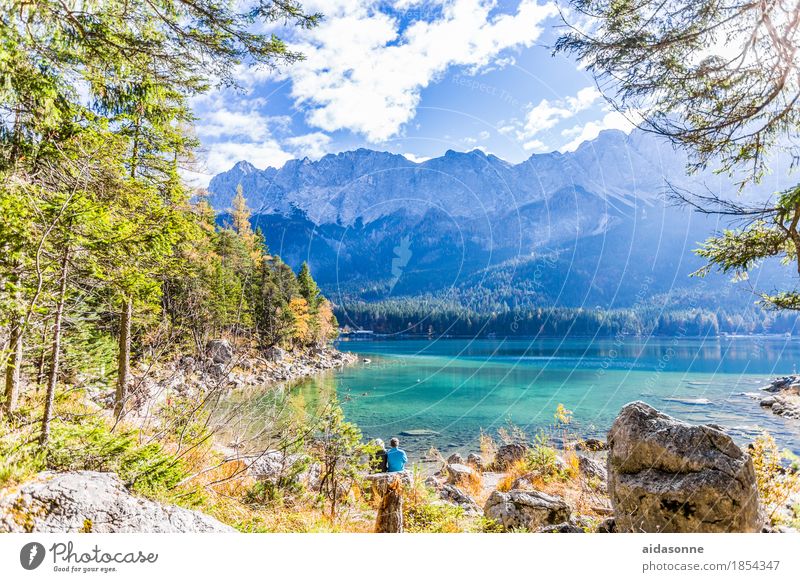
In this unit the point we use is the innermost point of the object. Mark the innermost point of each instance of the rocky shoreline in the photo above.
(225, 368)
(784, 396)
(653, 474)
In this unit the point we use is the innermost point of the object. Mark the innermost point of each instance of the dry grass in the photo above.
(488, 449)
(776, 483)
(545, 473)
(473, 484)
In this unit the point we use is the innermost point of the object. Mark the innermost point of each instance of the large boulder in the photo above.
(458, 474)
(509, 454)
(668, 476)
(455, 496)
(220, 351)
(530, 510)
(89, 501)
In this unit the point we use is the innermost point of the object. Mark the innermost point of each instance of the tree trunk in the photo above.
(390, 511)
(124, 359)
(40, 375)
(13, 367)
(15, 349)
(56, 351)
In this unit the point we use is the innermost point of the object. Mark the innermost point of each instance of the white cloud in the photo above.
(484, 135)
(363, 74)
(416, 159)
(223, 155)
(534, 144)
(311, 145)
(546, 114)
(589, 131)
(221, 122)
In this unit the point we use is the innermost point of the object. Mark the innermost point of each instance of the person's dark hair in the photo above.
(394, 442)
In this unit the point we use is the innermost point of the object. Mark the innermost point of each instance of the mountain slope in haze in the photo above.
(587, 228)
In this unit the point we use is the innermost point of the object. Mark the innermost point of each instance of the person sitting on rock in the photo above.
(395, 456)
(378, 462)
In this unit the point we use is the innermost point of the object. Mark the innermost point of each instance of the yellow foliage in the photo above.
(562, 415)
(488, 448)
(301, 319)
(775, 483)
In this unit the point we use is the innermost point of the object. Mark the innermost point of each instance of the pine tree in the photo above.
(308, 287)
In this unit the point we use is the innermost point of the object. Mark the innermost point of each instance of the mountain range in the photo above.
(589, 228)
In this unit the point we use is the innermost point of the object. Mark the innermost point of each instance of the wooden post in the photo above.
(390, 512)
(388, 488)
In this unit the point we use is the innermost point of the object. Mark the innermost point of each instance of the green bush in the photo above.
(433, 518)
(88, 445)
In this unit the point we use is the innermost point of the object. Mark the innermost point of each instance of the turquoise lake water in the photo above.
(458, 387)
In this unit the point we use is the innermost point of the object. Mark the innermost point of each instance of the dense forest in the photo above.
(107, 255)
(432, 315)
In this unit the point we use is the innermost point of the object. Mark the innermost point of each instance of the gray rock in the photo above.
(607, 526)
(219, 350)
(455, 459)
(418, 432)
(530, 510)
(433, 483)
(456, 496)
(81, 501)
(476, 462)
(275, 354)
(668, 476)
(592, 469)
(509, 454)
(188, 362)
(784, 404)
(217, 370)
(779, 384)
(565, 527)
(458, 474)
(269, 465)
(524, 482)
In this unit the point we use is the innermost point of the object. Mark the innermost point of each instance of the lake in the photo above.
(458, 387)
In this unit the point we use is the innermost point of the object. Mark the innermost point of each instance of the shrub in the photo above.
(434, 518)
(488, 448)
(776, 478)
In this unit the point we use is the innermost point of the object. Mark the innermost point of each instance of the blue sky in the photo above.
(411, 77)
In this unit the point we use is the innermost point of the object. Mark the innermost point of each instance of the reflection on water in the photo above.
(460, 387)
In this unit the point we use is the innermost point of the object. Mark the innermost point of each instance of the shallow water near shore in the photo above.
(456, 387)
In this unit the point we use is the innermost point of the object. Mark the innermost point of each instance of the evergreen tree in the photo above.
(719, 79)
(308, 287)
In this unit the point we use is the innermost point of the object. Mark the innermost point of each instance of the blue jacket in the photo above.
(397, 459)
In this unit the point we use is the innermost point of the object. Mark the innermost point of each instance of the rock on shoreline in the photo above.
(784, 397)
(90, 501)
(224, 368)
(668, 476)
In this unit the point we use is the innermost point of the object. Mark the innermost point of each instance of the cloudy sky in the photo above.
(414, 77)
